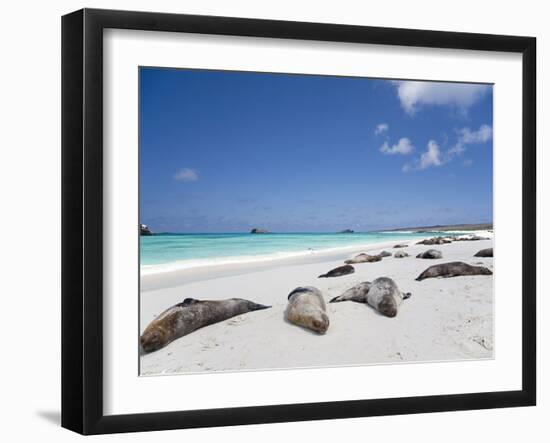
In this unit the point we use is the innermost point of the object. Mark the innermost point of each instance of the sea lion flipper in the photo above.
(188, 302)
(357, 293)
(359, 298)
(406, 295)
(256, 306)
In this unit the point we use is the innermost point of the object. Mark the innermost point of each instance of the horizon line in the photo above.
(408, 228)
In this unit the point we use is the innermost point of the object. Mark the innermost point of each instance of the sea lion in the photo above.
(384, 254)
(401, 246)
(364, 258)
(339, 271)
(357, 293)
(430, 253)
(306, 307)
(453, 269)
(190, 315)
(400, 254)
(382, 294)
(472, 237)
(435, 241)
(484, 253)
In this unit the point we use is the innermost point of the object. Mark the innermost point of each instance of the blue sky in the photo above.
(228, 151)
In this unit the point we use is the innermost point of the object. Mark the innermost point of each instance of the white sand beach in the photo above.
(445, 318)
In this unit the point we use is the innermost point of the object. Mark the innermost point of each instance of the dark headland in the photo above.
(462, 227)
(259, 231)
(144, 230)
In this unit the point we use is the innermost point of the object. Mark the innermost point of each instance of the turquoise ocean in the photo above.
(189, 250)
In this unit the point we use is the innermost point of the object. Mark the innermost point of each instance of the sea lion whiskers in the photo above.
(153, 339)
(309, 317)
(388, 307)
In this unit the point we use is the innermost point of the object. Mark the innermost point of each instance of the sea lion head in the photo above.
(485, 271)
(153, 339)
(388, 307)
(319, 323)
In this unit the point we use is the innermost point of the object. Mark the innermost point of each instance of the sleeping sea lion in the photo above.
(484, 253)
(382, 294)
(306, 307)
(430, 253)
(339, 271)
(384, 254)
(473, 237)
(190, 315)
(364, 258)
(453, 269)
(357, 293)
(435, 241)
(400, 254)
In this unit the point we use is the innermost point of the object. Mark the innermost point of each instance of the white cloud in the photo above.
(414, 94)
(403, 146)
(482, 135)
(429, 158)
(186, 175)
(457, 149)
(381, 128)
(432, 157)
(469, 137)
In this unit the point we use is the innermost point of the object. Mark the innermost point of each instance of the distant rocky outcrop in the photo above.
(144, 230)
(259, 231)
(442, 228)
(347, 231)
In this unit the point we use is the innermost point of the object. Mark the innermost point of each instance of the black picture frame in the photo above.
(82, 218)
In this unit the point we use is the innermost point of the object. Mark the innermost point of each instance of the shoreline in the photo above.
(176, 277)
(281, 257)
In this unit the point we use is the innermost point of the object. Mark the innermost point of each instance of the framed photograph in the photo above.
(268, 221)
